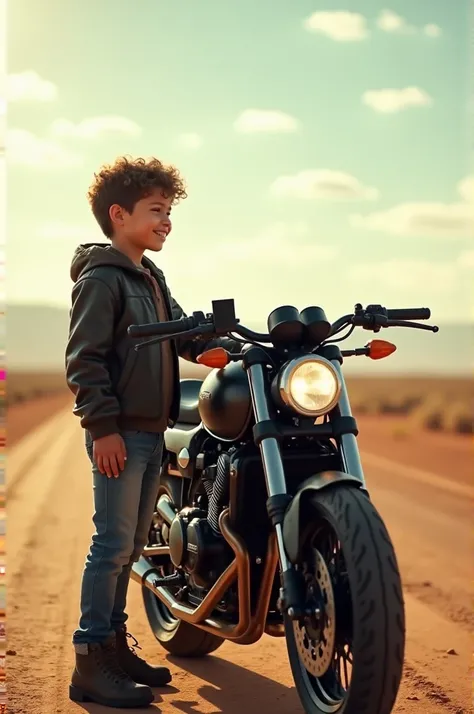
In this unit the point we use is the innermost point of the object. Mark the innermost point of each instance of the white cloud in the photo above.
(432, 30)
(340, 25)
(28, 86)
(402, 275)
(450, 220)
(272, 245)
(27, 149)
(324, 184)
(389, 21)
(262, 120)
(388, 101)
(454, 220)
(345, 26)
(95, 127)
(191, 140)
(466, 188)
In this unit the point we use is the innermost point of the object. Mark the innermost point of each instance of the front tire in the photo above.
(352, 661)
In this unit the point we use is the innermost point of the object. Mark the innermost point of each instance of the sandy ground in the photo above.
(424, 492)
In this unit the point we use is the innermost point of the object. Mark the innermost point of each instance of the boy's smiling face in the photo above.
(147, 226)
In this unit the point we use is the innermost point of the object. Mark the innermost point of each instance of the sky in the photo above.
(325, 146)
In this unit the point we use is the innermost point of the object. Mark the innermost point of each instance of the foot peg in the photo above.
(177, 579)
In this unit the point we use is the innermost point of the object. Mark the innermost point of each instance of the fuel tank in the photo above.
(225, 404)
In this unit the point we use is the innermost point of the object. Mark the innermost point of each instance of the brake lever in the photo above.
(414, 325)
(154, 341)
(195, 332)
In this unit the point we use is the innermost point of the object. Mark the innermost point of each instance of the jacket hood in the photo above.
(91, 255)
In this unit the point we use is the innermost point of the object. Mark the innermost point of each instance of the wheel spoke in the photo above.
(344, 658)
(325, 572)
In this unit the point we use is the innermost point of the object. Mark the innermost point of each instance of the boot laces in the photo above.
(134, 644)
(111, 667)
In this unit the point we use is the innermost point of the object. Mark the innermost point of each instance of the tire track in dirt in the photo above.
(21, 459)
(43, 576)
(437, 599)
(43, 611)
(36, 488)
(431, 531)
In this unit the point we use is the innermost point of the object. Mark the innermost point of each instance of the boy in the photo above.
(126, 400)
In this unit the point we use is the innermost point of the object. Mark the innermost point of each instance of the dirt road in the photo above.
(425, 498)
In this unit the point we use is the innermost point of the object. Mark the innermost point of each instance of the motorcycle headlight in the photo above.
(310, 385)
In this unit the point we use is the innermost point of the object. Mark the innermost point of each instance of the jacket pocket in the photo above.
(127, 371)
(141, 395)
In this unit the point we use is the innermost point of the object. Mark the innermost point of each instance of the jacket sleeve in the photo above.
(91, 335)
(191, 349)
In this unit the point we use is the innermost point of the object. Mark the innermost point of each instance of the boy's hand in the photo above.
(110, 455)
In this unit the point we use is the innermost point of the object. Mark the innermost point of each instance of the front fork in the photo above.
(348, 443)
(292, 596)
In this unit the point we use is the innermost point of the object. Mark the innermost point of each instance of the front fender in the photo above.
(291, 521)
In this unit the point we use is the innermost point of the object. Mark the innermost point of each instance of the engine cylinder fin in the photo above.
(219, 498)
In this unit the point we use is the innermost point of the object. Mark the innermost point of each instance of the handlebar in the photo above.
(374, 317)
(410, 313)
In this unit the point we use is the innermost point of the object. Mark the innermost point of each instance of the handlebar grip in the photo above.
(410, 313)
(156, 329)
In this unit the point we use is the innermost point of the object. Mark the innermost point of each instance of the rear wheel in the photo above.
(177, 637)
(348, 659)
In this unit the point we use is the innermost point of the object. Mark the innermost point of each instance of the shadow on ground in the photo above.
(228, 689)
(232, 689)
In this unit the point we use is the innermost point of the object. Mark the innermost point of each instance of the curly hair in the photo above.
(126, 182)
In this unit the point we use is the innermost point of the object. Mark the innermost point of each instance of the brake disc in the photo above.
(316, 650)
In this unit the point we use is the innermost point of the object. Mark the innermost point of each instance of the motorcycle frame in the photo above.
(251, 626)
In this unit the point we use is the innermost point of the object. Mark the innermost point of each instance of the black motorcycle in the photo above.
(264, 523)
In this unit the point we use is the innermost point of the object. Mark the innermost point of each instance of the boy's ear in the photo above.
(117, 214)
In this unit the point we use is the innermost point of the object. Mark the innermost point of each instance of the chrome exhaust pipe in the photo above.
(166, 510)
(152, 551)
(144, 573)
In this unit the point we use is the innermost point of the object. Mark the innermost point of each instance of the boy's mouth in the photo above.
(162, 234)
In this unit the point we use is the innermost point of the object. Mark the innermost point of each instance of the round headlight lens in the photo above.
(312, 387)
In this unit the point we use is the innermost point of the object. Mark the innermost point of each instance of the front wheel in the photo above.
(348, 657)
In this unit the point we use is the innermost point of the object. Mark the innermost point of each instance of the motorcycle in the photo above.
(264, 522)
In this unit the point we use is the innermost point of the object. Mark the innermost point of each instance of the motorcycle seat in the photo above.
(189, 403)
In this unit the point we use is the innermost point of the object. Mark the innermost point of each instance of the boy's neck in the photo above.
(135, 254)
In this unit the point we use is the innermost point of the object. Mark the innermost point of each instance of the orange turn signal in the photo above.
(216, 358)
(378, 349)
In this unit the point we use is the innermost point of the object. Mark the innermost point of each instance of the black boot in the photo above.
(139, 670)
(98, 678)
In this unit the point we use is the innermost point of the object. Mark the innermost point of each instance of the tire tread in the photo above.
(378, 605)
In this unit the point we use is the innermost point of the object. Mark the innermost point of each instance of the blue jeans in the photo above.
(124, 508)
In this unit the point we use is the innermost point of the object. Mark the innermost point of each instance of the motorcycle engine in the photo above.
(196, 548)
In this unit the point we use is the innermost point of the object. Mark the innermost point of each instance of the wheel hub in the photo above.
(315, 645)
